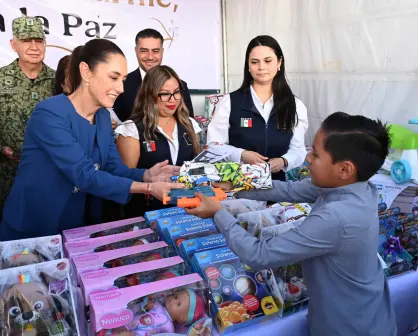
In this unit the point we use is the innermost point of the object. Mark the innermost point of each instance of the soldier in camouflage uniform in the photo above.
(23, 84)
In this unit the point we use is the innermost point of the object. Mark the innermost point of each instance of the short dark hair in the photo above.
(363, 141)
(149, 33)
(94, 52)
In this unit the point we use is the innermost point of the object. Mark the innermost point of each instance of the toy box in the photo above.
(38, 300)
(105, 229)
(395, 195)
(240, 296)
(238, 206)
(186, 198)
(385, 213)
(288, 288)
(164, 223)
(192, 246)
(23, 252)
(210, 104)
(397, 259)
(177, 306)
(178, 233)
(242, 176)
(113, 242)
(152, 216)
(127, 276)
(116, 258)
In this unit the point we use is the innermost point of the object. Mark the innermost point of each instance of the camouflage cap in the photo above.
(27, 27)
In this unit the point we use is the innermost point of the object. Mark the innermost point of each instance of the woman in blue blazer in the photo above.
(69, 152)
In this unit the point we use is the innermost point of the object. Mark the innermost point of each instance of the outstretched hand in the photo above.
(161, 172)
(159, 189)
(207, 208)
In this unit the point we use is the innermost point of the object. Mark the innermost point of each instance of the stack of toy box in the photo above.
(35, 288)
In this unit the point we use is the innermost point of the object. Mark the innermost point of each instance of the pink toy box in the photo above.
(107, 243)
(130, 275)
(105, 229)
(116, 258)
(177, 306)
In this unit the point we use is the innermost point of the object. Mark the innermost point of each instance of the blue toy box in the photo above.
(240, 296)
(163, 223)
(192, 246)
(176, 234)
(152, 216)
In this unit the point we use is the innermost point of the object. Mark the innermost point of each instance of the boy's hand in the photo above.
(207, 208)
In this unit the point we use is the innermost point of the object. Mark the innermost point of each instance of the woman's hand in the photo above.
(114, 124)
(161, 172)
(276, 165)
(10, 154)
(250, 157)
(159, 189)
(207, 208)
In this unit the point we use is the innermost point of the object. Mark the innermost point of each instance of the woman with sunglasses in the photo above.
(159, 129)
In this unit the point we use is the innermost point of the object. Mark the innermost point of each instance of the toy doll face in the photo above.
(25, 302)
(178, 306)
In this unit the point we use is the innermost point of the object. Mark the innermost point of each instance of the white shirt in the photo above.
(142, 72)
(218, 129)
(129, 129)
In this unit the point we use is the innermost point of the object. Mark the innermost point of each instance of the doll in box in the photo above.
(125, 243)
(183, 308)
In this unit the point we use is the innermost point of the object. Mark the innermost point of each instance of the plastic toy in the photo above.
(112, 242)
(240, 296)
(243, 177)
(238, 206)
(105, 229)
(254, 221)
(36, 300)
(288, 288)
(403, 159)
(178, 305)
(23, 252)
(186, 198)
(396, 258)
(121, 257)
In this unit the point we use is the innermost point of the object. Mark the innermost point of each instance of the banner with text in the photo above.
(191, 31)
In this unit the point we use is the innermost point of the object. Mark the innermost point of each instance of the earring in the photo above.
(87, 83)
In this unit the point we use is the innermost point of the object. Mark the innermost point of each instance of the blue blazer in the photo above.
(55, 161)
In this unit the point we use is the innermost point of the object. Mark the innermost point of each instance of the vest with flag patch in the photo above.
(248, 129)
(151, 154)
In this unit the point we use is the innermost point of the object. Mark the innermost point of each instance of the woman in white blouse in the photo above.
(262, 121)
(159, 129)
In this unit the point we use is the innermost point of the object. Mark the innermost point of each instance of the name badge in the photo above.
(150, 146)
(246, 122)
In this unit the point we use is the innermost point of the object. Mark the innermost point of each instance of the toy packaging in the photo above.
(179, 233)
(192, 246)
(394, 255)
(210, 104)
(254, 221)
(163, 223)
(240, 296)
(37, 300)
(177, 306)
(23, 252)
(239, 206)
(130, 275)
(116, 258)
(106, 229)
(288, 288)
(107, 243)
(186, 198)
(152, 216)
(242, 176)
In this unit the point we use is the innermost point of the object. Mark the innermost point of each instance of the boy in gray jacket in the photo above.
(337, 242)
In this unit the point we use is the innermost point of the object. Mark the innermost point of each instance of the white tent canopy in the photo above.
(356, 56)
